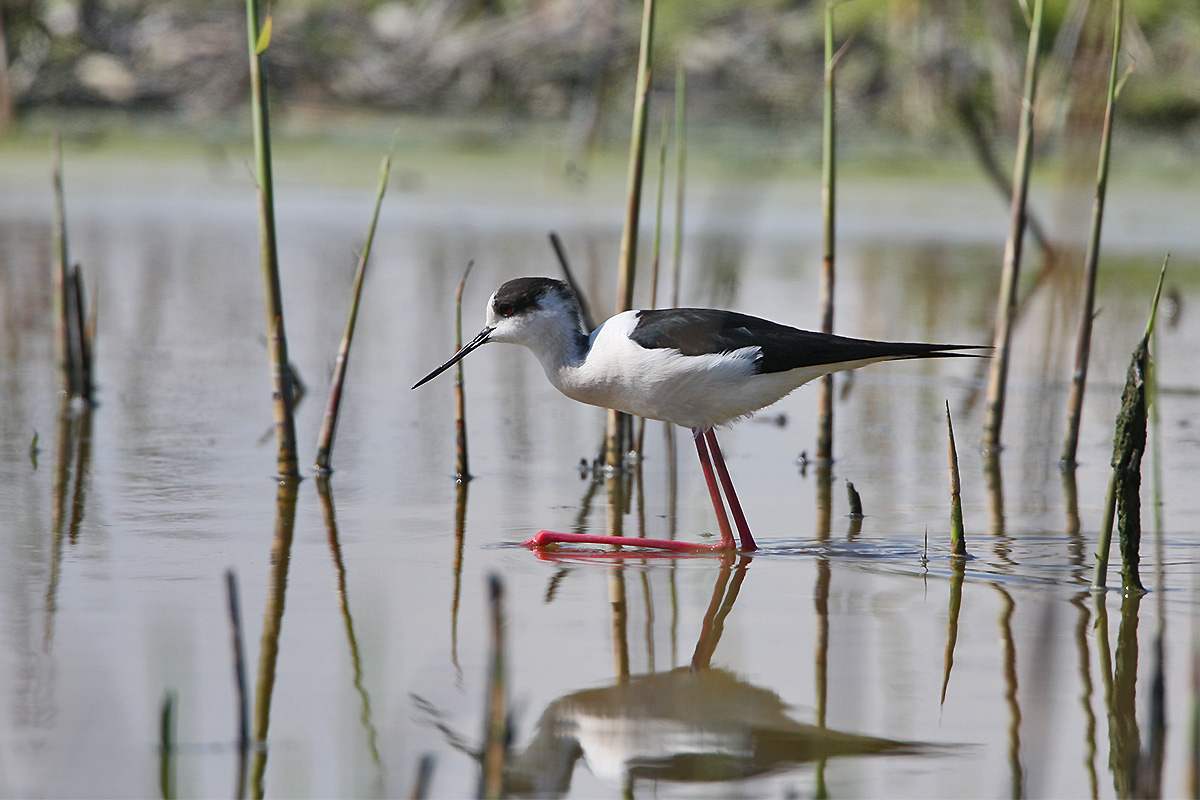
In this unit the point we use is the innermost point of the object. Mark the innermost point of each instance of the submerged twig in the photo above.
(281, 375)
(1092, 258)
(1007, 301)
(329, 423)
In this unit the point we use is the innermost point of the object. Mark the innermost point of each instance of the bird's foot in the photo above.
(544, 538)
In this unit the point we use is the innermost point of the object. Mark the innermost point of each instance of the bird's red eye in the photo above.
(505, 309)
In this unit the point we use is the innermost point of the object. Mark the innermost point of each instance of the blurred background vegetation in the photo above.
(924, 71)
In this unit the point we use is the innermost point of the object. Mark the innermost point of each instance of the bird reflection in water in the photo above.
(689, 724)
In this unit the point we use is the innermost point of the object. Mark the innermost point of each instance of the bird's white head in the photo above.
(542, 314)
(532, 312)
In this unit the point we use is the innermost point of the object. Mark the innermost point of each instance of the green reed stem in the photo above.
(281, 375)
(329, 423)
(1010, 273)
(1091, 258)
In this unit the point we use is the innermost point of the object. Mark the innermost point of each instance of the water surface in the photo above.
(848, 656)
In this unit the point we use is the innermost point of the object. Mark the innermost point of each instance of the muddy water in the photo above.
(847, 657)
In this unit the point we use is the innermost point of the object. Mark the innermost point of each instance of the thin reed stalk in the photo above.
(680, 173)
(281, 375)
(1011, 270)
(958, 536)
(1092, 257)
(329, 423)
(655, 250)
(828, 239)
(462, 465)
(79, 333)
(561, 252)
(73, 330)
(62, 352)
(614, 442)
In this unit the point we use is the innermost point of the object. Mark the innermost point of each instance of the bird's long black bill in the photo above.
(482, 338)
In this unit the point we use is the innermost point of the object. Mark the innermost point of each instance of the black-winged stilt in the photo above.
(696, 367)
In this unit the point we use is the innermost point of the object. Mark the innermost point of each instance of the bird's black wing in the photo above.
(701, 331)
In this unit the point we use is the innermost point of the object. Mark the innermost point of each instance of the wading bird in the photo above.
(695, 367)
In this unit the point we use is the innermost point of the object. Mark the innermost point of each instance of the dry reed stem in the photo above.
(824, 447)
(329, 424)
(614, 442)
(62, 352)
(1091, 259)
(1007, 301)
(462, 466)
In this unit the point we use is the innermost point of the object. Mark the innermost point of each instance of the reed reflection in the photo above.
(281, 550)
(460, 529)
(72, 470)
(328, 514)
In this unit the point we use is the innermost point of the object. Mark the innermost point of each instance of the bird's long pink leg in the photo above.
(727, 543)
(542, 538)
(735, 506)
(718, 506)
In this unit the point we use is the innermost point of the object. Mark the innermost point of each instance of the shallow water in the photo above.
(117, 539)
